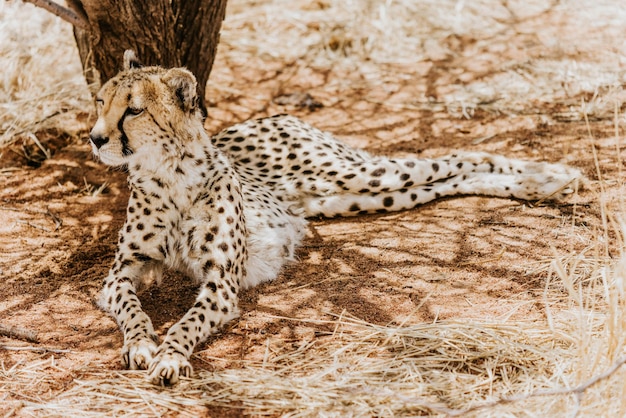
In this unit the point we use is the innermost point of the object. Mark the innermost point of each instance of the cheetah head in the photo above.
(140, 107)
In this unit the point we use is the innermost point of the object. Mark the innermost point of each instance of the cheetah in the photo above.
(230, 210)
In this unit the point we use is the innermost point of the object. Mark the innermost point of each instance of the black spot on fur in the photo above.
(208, 265)
(142, 257)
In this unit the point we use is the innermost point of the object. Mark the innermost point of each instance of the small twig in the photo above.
(563, 187)
(497, 257)
(64, 13)
(35, 123)
(482, 139)
(27, 210)
(77, 7)
(19, 333)
(46, 152)
(8, 170)
(35, 349)
(58, 222)
(43, 228)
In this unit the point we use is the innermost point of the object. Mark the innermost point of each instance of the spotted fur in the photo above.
(230, 210)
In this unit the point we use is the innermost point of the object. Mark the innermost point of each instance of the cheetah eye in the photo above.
(134, 111)
(99, 104)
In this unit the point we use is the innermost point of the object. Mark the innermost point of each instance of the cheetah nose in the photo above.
(98, 140)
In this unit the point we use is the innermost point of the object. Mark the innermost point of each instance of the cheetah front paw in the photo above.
(167, 367)
(138, 354)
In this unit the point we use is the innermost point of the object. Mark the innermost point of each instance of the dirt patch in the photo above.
(458, 258)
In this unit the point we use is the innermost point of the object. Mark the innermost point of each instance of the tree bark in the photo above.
(176, 33)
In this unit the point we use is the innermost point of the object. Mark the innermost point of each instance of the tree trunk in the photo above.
(176, 33)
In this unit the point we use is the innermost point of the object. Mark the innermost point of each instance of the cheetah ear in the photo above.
(130, 60)
(183, 85)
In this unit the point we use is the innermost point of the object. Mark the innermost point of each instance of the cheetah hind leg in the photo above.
(520, 179)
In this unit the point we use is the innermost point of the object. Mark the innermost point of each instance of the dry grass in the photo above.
(372, 40)
(567, 365)
(379, 42)
(41, 81)
(359, 370)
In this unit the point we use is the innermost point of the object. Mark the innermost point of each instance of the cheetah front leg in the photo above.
(139, 255)
(119, 298)
(215, 305)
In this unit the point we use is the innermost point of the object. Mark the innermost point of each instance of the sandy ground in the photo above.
(457, 258)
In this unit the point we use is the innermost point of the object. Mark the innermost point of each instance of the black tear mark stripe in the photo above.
(126, 150)
(155, 121)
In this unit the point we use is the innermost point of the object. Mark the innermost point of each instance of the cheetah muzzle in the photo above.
(230, 210)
